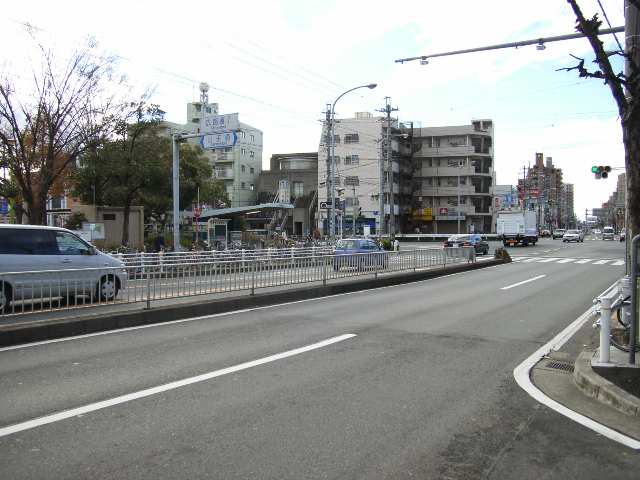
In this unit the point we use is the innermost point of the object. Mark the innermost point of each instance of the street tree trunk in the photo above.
(126, 213)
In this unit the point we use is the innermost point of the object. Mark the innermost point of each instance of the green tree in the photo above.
(195, 174)
(120, 170)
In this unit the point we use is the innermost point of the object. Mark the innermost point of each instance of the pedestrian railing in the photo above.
(184, 276)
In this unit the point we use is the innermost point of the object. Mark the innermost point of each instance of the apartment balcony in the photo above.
(465, 190)
(228, 157)
(447, 151)
(445, 171)
(224, 173)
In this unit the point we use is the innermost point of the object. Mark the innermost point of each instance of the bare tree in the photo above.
(625, 89)
(67, 112)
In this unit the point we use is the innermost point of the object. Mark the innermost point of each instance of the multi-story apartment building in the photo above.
(237, 165)
(567, 212)
(453, 178)
(359, 151)
(541, 191)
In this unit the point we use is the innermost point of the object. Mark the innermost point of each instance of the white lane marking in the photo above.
(531, 259)
(522, 375)
(584, 260)
(232, 312)
(547, 260)
(567, 260)
(546, 251)
(523, 282)
(601, 262)
(618, 262)
(92, 407)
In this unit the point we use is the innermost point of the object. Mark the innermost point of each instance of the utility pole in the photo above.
(354, 209)
(329, 181)
(389, 168)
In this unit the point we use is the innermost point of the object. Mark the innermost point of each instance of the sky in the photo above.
(278, 63)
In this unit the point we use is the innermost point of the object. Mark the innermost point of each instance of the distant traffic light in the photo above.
(601, 171)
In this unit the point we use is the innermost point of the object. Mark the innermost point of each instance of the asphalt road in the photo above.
(424, 388)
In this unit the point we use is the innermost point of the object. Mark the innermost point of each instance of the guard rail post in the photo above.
(415, 259)
(605, 328)
(148, 307)
(324, 271)
(253, 277)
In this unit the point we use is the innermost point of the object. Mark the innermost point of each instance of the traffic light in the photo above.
(601, 171)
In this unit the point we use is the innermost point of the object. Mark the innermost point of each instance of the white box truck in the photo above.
(517, 227)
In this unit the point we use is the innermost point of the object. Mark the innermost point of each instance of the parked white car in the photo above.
(38, 262)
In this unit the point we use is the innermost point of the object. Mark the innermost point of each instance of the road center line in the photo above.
(92, 407)
(523, 282)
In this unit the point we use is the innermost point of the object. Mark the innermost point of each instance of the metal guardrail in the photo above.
(48, 290)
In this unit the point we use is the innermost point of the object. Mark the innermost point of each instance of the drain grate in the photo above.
(564, 366)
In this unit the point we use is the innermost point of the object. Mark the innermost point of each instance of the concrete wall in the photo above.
(113, 218)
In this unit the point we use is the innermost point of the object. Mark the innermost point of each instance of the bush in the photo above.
(502, 254)
(74, 221)
(386, 244)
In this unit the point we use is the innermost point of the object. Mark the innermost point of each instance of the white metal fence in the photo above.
(152, 278)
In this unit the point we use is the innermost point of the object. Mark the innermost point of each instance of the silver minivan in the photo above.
(38, 262)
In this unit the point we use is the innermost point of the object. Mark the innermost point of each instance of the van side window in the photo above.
(70, 244)
(23, 241)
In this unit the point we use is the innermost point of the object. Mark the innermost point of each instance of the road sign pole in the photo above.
(176, 192)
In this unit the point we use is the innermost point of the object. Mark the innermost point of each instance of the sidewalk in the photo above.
(608, 396)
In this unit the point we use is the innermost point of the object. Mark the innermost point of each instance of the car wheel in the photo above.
(5, 297)
(107, 289)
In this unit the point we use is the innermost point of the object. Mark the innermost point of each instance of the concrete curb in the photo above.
(598, 387)
(15, 334)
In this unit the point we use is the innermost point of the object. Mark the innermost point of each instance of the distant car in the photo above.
(474, 240)
(623, 235)
(545, 233)
(558, 233)
(596, 231)
(350, 252)
(573, 236)
(608, 233)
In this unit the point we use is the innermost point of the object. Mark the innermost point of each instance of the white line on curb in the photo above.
(92, 407)
(522, 375)
(523, 282)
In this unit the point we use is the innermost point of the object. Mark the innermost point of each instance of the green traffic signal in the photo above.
(594, 169)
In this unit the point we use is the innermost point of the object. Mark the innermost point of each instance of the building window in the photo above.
(298, 189)
(243, 186)
(352, 181)
(351, 138)
(109, 216)
(352, 160)
(251, 153)
(336, 139)
(243, 151)
(253, 138)
(242, 134)
(242, 168)
(251, 170)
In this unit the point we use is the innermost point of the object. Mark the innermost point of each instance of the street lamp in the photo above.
(332, 164)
